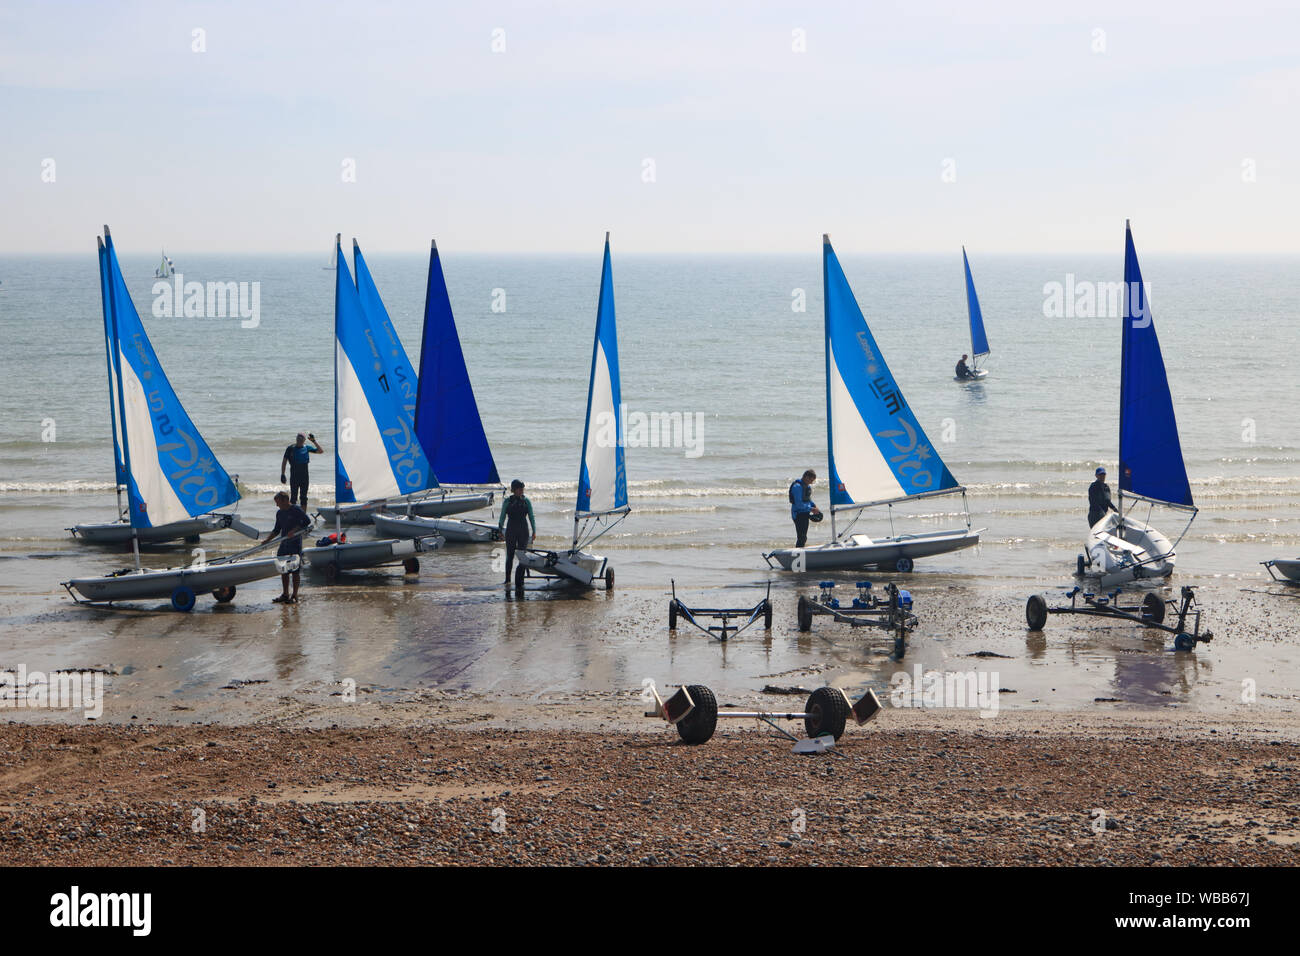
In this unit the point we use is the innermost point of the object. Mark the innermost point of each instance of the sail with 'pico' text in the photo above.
(602, 479)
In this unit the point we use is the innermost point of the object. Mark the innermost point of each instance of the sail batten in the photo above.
(376, 452)
(1150, 454)
(979, 343)
(447, 420)
(878, 451)
(602, 477)
(171, 472)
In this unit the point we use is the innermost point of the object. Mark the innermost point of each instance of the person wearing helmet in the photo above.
(516, 517)
(1099, 499)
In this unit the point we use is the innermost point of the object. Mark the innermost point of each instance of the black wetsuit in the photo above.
(962, 370)
(517, 514)
(298, 458)
(1098, 501)
(288, 521)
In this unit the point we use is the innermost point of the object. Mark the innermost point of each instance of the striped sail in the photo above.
(171, 472)
(979, 343)
(376, 452)
(1150, 454)
(602, 478)
(878, 450)
(447, 421)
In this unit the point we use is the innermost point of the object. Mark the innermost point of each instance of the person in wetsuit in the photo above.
(962, 370)
(1099, 499)
(516, 517)
(289, 521)
(296, 457)
(801, 506)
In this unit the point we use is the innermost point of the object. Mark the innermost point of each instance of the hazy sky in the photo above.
(755, 147)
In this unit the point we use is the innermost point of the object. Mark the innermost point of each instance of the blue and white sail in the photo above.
(878, 450)
(447, 420)
(110, 352)
(171, 473)
(602, 478)
(979, 343)
(1150, 454)
(401, 373)
(376, 452)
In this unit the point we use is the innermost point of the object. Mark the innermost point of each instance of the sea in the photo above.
(723, 355)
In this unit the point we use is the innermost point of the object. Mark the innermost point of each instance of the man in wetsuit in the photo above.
(289, 521)
(1099, 499)
(296, 457)
(962, 370)
(801, 506)
(516, 516)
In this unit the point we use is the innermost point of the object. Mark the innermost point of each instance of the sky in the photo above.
(696, 127)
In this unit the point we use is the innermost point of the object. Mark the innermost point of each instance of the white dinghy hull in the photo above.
(146, 584)
(441, 506)
(462, 531)
(354, 555)
(857, 551)
(566, 567)
(1289, 568)
(120, 532)
(1118, 554)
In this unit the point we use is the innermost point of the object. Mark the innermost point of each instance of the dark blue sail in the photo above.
(1150, 455)
(447, 421)
(979, 343)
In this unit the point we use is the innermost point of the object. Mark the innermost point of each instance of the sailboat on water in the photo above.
(376, 453)
(425, 497)
(122, 325)
(979, 342)
(879, 454)
(165, 268)
(602, 476)
(447, 421)
(169, 473)
(1120, 548)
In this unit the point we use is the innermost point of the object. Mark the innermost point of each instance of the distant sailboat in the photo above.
(879, 454)
(330, 263)
(447, 420)
(1120, 548)
(602, 476)
(170, 476)
(165, 268)
(979, 343)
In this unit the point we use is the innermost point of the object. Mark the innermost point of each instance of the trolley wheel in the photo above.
(183, 598)
(767, 615)
(609, 579)
(903, 565)
(331, 572)
(224, 595)
(698, 726)
(1079, 567)
(900, 648)
(1184, 642)
(519, 577)
(672, 615)
(411, 565)
(1036, 612)
(827, 712)
(805, 614)
(1154, 607)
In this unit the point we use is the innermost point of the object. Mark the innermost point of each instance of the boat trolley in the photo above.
(1149, 613)
(693, 710)
(893, 612)
(677, 609)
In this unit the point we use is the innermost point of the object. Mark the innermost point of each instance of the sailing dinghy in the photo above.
(879, 454)
(170, 474)
(602, 477)
(120, 310)
(376, 453)
(430, 501)
(447, 422)
(165, 268)
(1120, 548)
(979, 343)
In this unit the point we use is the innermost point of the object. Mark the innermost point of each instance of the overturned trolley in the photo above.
(693, 710)
(893, 612)
(1149, 613)
(726, 615)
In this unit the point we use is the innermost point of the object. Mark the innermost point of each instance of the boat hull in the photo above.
(977, 375)
(355, 555)
(453, 529)
(1287, 567)
(1121, 554)
(859, 552)
(146, 584)
(439, 507)
(119, 532)
(567, 567)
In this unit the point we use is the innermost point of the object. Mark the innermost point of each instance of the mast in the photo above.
(121, 398)
(826, 336)
(1123, 365)
(112, 377)
(338, 274)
